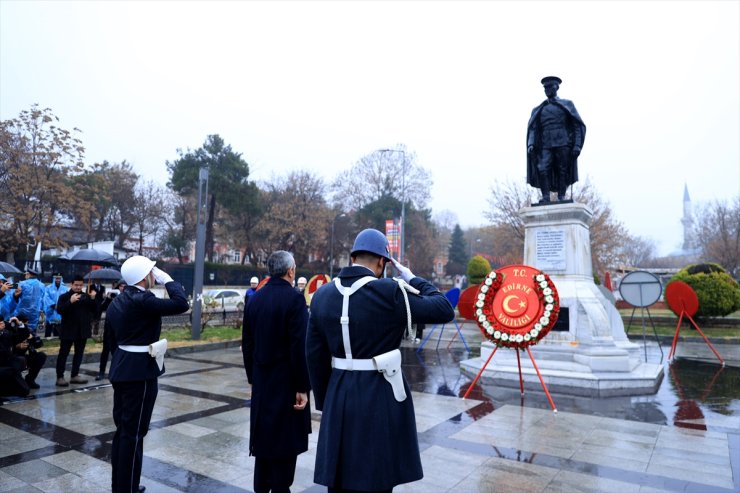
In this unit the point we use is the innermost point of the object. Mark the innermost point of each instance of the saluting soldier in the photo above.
(135, 317)
(367, 440)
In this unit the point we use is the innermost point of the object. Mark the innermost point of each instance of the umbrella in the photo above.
(90, 256)
(9, 269)
(103, 275)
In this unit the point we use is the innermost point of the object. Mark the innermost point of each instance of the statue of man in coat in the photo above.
(274, 350)
(555, 136)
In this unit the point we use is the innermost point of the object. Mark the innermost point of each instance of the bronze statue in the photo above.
(555, 135)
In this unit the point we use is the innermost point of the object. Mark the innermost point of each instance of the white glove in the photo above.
(405, 272)
(161, 276)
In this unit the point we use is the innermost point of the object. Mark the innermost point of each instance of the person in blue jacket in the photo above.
(51, 295)
(367, 440)
(31, 299)
(135, 317)
(8, 298)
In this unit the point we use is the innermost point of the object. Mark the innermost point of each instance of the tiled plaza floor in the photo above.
(59, 441)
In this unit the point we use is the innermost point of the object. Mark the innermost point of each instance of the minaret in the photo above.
(687, 220)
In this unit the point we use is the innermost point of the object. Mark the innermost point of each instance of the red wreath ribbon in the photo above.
(535, 311)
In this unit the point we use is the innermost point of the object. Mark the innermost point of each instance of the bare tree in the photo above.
(296, 216)
(147, 212)
(179, 219)
(717, 233)
(380, 174)
(607, 233)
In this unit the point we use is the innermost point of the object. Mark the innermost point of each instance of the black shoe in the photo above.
(100, 377)
(141, 489)
(32, 383)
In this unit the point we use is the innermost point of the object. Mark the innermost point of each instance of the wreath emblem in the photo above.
(516, 306)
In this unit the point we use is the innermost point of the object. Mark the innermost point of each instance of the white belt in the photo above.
(353, 364)
(389, 364)
(135, 349)
(156, 350)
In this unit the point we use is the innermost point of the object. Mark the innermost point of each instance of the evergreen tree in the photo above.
(457, 255)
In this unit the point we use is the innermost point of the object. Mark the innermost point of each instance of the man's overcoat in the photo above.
(576, 137)
(76, 317)
(367, 439)
(274, 350)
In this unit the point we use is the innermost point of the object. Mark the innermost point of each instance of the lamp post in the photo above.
(200, 251)
(401, 254)
(331, 246)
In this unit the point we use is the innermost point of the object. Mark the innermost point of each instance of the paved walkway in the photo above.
(59, 441)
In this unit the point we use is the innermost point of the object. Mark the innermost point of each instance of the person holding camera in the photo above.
(78, 310)
(8, 298)
(18, 352)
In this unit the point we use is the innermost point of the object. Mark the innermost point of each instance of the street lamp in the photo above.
(401, 254)
(331, 246)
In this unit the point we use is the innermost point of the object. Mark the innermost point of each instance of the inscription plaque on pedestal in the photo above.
(550, 250)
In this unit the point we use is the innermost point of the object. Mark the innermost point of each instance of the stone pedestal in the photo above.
(593, 357)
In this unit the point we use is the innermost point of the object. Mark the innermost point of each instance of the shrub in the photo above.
(718, 292)
(478, 269)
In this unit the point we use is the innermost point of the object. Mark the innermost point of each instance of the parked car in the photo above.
(223, 299)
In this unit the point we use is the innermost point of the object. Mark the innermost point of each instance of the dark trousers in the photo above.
(51, 330)
(35, 361)
(64, 347)
(559, 160)
(106, 350)
(133, 403)
(273, 475)
(342, 490)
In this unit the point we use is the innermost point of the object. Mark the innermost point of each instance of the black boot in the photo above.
(545, 188)
(31, 382)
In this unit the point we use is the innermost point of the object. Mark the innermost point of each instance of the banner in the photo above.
(393, 233)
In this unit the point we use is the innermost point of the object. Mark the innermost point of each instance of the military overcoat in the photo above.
(367, 439)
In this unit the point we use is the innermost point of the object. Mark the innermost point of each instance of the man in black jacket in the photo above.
(273, 345)
(135, 317)
(78, 310)
(17, 353)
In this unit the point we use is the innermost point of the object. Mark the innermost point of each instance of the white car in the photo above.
(223, 299)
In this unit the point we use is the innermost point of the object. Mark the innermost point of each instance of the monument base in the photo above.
(588, 372)
(592, 355)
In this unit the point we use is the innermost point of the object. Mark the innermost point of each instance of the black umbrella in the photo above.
(90, 256)
(9, 269)
(103, 275)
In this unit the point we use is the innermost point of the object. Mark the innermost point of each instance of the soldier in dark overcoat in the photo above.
(368, 439)
(135, 319)
(274, 350)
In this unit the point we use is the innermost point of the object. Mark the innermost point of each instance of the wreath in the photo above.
(531, 319)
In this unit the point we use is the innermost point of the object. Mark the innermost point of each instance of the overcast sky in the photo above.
(317, 85)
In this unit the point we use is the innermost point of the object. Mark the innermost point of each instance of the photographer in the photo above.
(51, 295)
(8, 299)
(78, 310)
(18, 352)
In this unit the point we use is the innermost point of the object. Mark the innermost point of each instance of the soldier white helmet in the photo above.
(136, 268)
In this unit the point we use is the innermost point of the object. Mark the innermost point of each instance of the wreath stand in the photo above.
(683, 301)
(521, 380)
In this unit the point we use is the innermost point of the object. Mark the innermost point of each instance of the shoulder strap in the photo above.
(346, 292)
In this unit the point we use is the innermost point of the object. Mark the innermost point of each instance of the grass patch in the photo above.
(176, 337)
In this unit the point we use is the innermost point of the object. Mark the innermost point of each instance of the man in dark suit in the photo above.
(135, 317)
(273, 345)
(555, 136)
(78, 309)
(368, 439)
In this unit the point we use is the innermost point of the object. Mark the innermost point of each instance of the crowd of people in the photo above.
(28, 309)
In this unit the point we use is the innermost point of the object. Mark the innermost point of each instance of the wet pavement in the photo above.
(686, 437)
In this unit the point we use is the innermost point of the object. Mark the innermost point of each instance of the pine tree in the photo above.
(457, 255)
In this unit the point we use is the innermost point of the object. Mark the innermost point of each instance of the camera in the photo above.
(22, 334)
